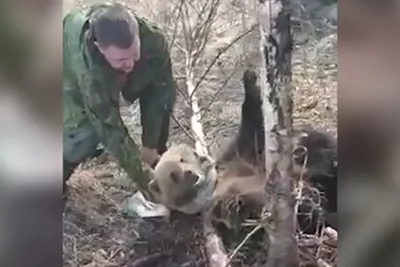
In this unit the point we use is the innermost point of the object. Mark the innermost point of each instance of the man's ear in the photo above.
(101, 49)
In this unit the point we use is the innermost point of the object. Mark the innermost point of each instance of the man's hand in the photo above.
(148, 155)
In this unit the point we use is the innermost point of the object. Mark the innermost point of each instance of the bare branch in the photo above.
(178, 7)
(194, 8)
(220, 53)
(186, 34)
(252, 232)
(182, 95)
(183, 128)
(148, 8)
(205, 109)
(183, 50)
(202, 31)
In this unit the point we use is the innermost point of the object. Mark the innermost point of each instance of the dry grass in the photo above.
(97, 233)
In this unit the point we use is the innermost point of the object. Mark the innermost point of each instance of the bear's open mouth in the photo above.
(200, 179)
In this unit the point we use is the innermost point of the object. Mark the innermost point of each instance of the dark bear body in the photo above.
(319, 148)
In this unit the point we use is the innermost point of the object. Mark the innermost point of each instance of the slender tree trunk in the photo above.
(276, 49)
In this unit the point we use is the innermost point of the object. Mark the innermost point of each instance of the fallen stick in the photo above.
(216, 252)
(149, 260)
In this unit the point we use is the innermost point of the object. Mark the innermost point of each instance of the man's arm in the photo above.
(157, 100)
(104, 114)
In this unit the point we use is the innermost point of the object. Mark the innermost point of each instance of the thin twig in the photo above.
(148, 260)
(176, 9)
(176, 25)
(114, 254)
(184, 27)
(214, 97)
(183, 128)
(189, 26)
(182, 95)
(220, 53)
(183, 50)
(150, 10)
(258, 227)
(204, 30)
(301, 183)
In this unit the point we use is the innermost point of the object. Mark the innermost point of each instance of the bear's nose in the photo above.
(191, 176)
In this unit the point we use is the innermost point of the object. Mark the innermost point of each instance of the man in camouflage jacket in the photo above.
(108, 50)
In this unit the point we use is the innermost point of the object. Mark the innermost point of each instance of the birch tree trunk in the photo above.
(276, 49)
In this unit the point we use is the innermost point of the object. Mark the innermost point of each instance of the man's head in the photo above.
(115, 32)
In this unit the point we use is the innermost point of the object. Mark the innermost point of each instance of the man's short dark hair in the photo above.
(112, 24)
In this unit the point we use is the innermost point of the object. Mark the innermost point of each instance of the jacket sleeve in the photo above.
(103, 113)
(157, 100)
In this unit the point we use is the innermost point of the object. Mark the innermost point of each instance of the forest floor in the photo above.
(97, 232)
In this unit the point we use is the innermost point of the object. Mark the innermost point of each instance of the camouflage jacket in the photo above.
(91, 88)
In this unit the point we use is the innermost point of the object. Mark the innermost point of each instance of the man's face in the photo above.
(121, 59)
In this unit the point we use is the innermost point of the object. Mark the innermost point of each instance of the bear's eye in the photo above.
(182, 160)
(175, 177)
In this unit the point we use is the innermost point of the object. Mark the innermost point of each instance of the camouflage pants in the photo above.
(81, 143)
